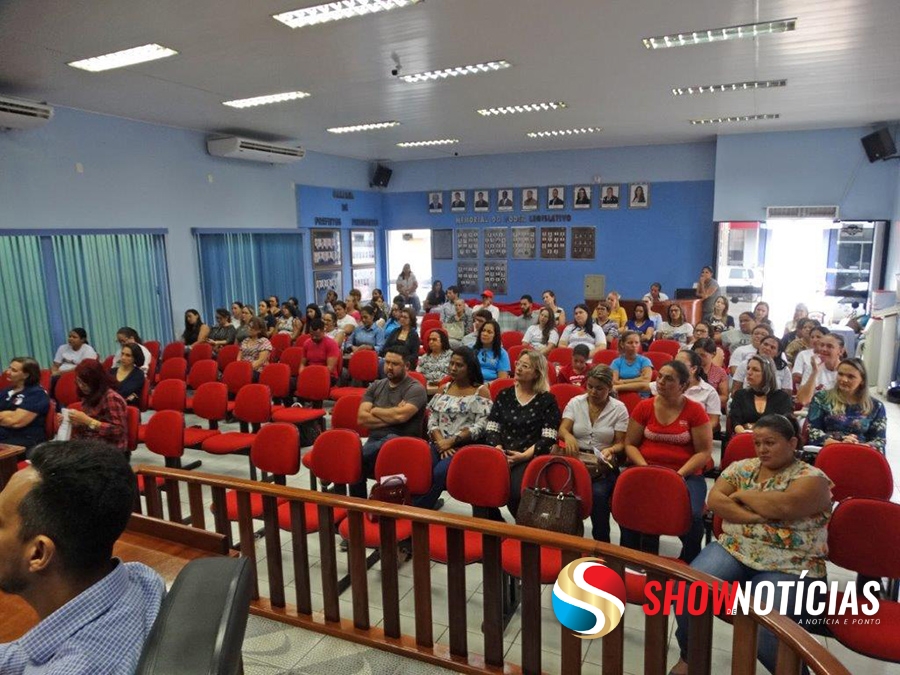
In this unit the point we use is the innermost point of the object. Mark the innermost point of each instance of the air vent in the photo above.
(17, 113)
(256, 151)
(829, 212)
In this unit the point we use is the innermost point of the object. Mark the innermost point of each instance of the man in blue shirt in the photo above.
(59, 519)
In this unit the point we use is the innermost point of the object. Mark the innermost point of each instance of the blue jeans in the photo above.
(602, 489)
(692, 541)
(718, 562)
(369, 454)
(439, 468)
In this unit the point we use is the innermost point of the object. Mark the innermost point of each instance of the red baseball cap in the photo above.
(487, 294)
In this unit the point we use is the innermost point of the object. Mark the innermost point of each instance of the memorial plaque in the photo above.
(583, 243)
(362, 247)
(326, 248)
(467, 278)
(364, 280)
(495, 277)
(328, 280)
(524, 243)
(442, 244)
(553, 243)
(495, 242)
(467, 243)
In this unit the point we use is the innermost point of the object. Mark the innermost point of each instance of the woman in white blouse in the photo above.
(542, 335)
(675, 327)
(583, 331)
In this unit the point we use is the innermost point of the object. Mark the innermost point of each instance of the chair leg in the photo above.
(511, 597)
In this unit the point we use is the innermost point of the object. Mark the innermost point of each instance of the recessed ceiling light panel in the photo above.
(265, 100)
(126, 57)
(475, 69)
(564, 132)
(371, 126)
(734, 86)
(426, 144)
(335, 11)
(700, 37)
(737, 118)
(523, 108)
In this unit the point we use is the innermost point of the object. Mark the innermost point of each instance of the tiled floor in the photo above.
(271, 647)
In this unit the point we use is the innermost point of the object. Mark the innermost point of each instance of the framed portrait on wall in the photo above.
(639, 196)
(326, 248)
(435, 202)
(529, 199)
(458, 201)
(362, 247)
(482, 201)
(556, 197)
(582, 197)
(609, 196)
(505, 199)
(327, 280)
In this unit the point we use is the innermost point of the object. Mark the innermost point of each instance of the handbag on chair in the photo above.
(547, 509)
(391, 489)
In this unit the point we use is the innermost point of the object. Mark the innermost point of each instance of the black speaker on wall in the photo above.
(381, 177)
(879, 145)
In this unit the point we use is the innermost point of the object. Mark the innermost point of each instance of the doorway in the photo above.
(413, 247)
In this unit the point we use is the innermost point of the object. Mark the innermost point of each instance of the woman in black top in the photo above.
(762, 396)
(406, 337)
(194, 328)
(435, 297)
(23, 404)
(524, 420)
(223, 332)
(129, 374)
(312, 312)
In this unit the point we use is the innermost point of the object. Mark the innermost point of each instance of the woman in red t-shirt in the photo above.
(672, 431)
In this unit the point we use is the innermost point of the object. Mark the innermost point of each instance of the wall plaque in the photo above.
(553, 243)
(442, 244)
(326, 248)
(467, 277)
(495, 277)
(467, 243)
(583, 243)
(524, 244)
(495, 242)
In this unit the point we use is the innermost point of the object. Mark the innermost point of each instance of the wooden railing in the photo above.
(796, 646)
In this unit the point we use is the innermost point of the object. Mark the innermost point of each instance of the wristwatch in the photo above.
(95, 424)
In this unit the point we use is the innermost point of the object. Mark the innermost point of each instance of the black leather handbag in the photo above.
(547, 509)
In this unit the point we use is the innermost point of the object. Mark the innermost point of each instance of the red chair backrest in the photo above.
(515, 352)
(560, 355)
(292, 357)
(153, 347)
(203, 371)
(211, 401)
(491, 489)
(739, 447)
(227, 354)
(144, 400)
(364, 365)
(669, 347)
(66, 391)
(314, 383)
(563, 393)
(613, 343)
(555, 478)
(668, 512)
(419, 377)
(237, 375)
(253, 404)
(133, 424)
(277, 376)
(108, 362)
(50, 421)
(169, 395)
(864, 536)
(199, 352)
(511, 338)
(165, 433)
(606, 356)
(336, 457)
(280, 342)
(856, 471)
(4, 380)
(658, 359)
(174, 368)
(173, 350)
(276, 449)
(499, 385)
(301, 339)
(345, 413)
(46, 377)
(630, 399)
(409, 456)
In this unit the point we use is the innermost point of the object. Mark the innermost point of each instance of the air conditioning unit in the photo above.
(256, 151)
(829, 212)
(16, 113)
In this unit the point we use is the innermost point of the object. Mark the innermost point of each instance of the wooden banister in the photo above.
(796, 646)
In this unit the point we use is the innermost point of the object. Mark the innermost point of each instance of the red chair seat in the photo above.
(372, 531)
(339, 392)
(22, 465)
(195, 436)
(551, 560)
(876, 641)
(312, 516)
(231, 505)
(298, 415)
(635, 582)
(226, 444)
(306, 460)
(472, 544)
(140, 481)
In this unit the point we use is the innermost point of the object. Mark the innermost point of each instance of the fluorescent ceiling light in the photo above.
(335, 11)
(737, 118)
(734, 86)
(699, 37)
(425, 144)
(265, 100)
(474, 69)
(564, 132)
(363, 127)
(525, 107)
(126, 57)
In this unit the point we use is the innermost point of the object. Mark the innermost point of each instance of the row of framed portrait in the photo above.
(555, 197)
(327, 252)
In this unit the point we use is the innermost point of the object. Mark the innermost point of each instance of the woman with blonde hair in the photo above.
(616, 311)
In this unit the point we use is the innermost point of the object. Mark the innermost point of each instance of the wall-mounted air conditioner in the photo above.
(17, 113)
(795, 212)
(234, 147)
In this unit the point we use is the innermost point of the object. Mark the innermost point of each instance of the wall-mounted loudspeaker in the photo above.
(879, 145)
(381, 177)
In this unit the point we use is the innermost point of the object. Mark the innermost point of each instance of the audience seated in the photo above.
(256, 347)
(242, 332)
(542, 335)
(378, 307)
(489, 351)
(73, 352)
(769, 346)
(393, 320)
(798, 340)
(527, 319)
(760, 395)
(846, 413)
(64, 513)
(194, 328)
(128, 374)
(487, 303)
(352, 301)
(406, 337)
(559, 314)
(607, 324)
(263, 313)
(642, 325)
(479, 317)
(616, 311)
(575, 372)
(103, 415)
(313, 312)
(321, 350)
(435, 363)
(740, 336)
(223, 333)
(655, 293)
(126, 335)
(583, 331)
(329, 320)
(720, 319)
(236, 308)
(802, 358)
(674, 327)
(715, 375)
(23, 404)
(631, 370)
(820, 371)
(436, 296)
(447, 311)
(740, 354)
(367, 335)
(702, 331)
(406, 288)
(456, 318)
(761, 314)
(288, 322)
(790, 328)
(344, 321)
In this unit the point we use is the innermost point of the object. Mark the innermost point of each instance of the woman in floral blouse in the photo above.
(846, 413)
(256, 348)
(775, 509)
(459, 413)
(435, 364)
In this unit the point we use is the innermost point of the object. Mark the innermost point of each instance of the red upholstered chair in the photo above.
(511, 338)
(856, 471)
(66, 392)
(46, 377)
(277, 376)
(429, 322)
(173, 350)
(667, 513)
(153, 347)
(210, 402)
(173, 368)
(345, 413)
(167, 395)
(4, 380)
(164, 436)
(108, 362)
(292, 357)
(499, 385)
(132, 424)
(669, 347)
(409, 456)
(201, 372)
(50, 427)
(253, 408)
(490, 490)
(552, 376)
(739, 447)
(658, 359)
(227, 354)
(236, 375)
(606, 356)
(555, 479)
(630, 399)
(419, 377)
(560, 355)
(301, 339)
(275, 450)
(201, 351)
(363, 368)
(144, 400)
(563, 393)
(313, 385)
(864, 536)
(280, 342)
(515, 352)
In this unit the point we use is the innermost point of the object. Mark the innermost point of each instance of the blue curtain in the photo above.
(23, 302)
(247, 267)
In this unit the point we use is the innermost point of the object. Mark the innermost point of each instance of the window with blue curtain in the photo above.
(247, 267)
(23, 302)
